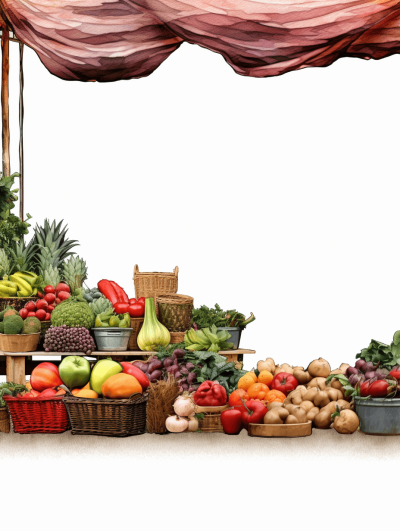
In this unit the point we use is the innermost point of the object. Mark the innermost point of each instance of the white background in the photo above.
(277, 196)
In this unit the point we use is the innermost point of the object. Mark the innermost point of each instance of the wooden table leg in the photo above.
(15, 369)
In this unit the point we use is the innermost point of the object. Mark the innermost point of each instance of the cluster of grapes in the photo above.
(64, 339)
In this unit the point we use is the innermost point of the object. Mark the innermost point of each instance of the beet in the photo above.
(369, 366)
(155, 375)
(369, 375)
(178, 353)
(350, 371)
(168, 362)
(144, 367)
(183, 370)
(360, 365)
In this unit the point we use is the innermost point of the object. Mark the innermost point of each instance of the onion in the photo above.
(184, 406)
(176, 424)
(193, 424)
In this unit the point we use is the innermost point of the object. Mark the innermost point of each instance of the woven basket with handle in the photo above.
(16, 302)
(108, 417)
(175, 311)
(147, 285)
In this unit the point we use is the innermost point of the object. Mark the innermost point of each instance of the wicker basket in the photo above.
(175, 311)
(136, 325)
(19, 342)
(147, 285)
(43, 415)
(4, 420)
(211, 422)
(16, 302)
(104, 416)
(177, 337)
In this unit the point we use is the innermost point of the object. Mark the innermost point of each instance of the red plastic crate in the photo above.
(44, 415)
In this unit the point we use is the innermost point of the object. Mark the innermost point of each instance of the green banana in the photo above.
(194, 347)
(34, 292)
(202, 338)
(192, 335)
(213, 338)
(24, 287)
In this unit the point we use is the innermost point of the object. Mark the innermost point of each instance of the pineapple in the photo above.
(4, 264)
(51, 248)
(22, 257)
(74, 272)
(51, 276)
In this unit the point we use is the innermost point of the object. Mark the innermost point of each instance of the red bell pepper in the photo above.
(231, 420)
(122, 296)
(107, 289)
(284, 382)
(137, 373)
(395, 373)
(210, 394)
(121, 307)
(136, 309)
(254, 413)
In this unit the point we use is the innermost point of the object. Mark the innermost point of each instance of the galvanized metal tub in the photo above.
(235, 332)
(379, 416)
(112, 339)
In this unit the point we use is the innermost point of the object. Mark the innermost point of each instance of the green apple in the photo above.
(74, 371)
(102, 371)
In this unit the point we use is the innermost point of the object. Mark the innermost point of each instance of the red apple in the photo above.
(24, 313)
(50, 298)
(48, 317)
(30, 306)
(31, 314)
(49, 289)
(62, 287)
(50, 308)
(40, 314)
(42, 304)
(63, 295)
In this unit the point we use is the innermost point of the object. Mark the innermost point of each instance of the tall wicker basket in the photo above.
(175, 311)
(148, 285)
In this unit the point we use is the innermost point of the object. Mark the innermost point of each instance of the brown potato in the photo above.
(298, 368)
(274, 405)
(296, 396)
(299, 413)
(267, 365)
(310, 395)
(347, 423)
(276, 416)
(287, 368)
(323, 420)
(343, 404)
(303, 377)
(307, 405)
(317, 382)
(289, 407)
(336, 385)
(319, 368)
(321, 399)
(336, 371)
(312, 413)
(331, 407)
(291, 419)
(334, 394)
(343, 367)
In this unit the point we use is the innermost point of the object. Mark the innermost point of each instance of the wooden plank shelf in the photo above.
(15, 365)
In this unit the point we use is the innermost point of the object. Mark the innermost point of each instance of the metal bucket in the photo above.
(112, 339)
(236, 333)
(379, 416)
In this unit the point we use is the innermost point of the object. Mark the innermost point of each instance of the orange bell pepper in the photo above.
(258, 391)
(274, 396)
(235, 399)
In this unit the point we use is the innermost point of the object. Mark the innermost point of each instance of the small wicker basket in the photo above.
(177, 337)
(175, 311)
(16, 302)
(104, 416)
(147, 285)
(19, 342)
(136, 325)
(211, 422)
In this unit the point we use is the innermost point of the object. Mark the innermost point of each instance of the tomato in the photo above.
(132, 301)
(121, 307)
(23, 313)
(50, 298)
(49, 289)
(42, 304)
(31, 314)
(48, 317)
(62, 287)
(41, 315)
(50, 308)
(284, 382)
(136, 310)
(63, 295)
(395, 373)
(30, 306)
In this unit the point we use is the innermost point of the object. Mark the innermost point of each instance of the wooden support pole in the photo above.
(5, 68)
(21, 132)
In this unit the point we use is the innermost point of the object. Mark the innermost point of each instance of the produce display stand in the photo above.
(15, 365)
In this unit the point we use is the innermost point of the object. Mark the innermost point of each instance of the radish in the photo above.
(62, 287)
(64, 295)
(42, 304)
(24, 313)
(49, 289)
(48, 317)
(30, 306)
(50, 308)
(32, 314)
(50, 298)
(40, 314)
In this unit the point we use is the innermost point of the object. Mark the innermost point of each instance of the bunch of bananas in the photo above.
(20, 284)
(209, 339)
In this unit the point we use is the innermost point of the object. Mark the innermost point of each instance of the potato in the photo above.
(312, 413)
(285, 367)
(343, 404)
(298, 368)
(307, 405)
(336, 385)
(343, 367)
(296, 396)
(317, 382)
(331, 407)
(347, 422)
(336, 371)
(289, 407)
(321, 399)
(310, 395)
(302, 376)
(274, 405)
(323, 420)
(291, 419)
(319, 368)
(299, 413)
(276, 416)
(334, 394)
(267, 365)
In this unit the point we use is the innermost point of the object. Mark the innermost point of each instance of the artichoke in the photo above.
(73, 313)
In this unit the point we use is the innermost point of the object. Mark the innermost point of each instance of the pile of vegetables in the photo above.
(11, 323)
(209, 339)
(119, 299)
(205, 317)
(184, 418)
(109, 319)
